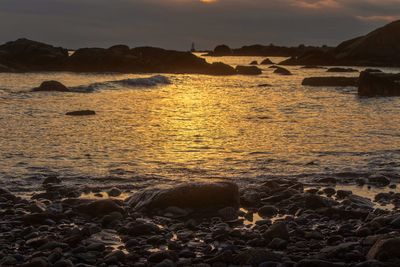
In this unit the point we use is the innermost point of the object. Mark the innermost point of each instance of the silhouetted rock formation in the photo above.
(331, 81)
(379, 84)
(51, 86)
(81, 113)
(254, 62)
(378, 48)
(267, 61)
(192, 195)
(26, 55)
(282, 71)
(341, 70)
(263, 50)
(248, 70)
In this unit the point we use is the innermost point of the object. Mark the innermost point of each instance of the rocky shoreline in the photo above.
(275, 222)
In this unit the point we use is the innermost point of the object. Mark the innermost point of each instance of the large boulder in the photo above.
(331, 81)
(51, 86)
(222, 50)
(190, 195)
(248, 70)
(379, 84)
(385, 249)
(27, 55)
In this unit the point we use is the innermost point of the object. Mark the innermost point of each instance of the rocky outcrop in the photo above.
(331, 81)
(81, 113)
(378, 48)
(51, 86)
(248, 70)
(379, 84)
(192, 195)
(222, 50)
(341, 70)
(267, 61)
(27, 55)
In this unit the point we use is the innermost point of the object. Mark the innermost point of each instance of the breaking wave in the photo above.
(152, 81)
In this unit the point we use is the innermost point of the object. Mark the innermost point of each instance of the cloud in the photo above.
(176, 23)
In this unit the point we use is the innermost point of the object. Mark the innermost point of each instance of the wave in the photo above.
(152, 81)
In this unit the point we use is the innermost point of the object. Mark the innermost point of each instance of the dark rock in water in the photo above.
(256, 256)
(385, 249)
(81, 113)
(254, 62)
(282, 71)
(264, 85)
(51, 86)
(277, 230)
(248, 70)
(267, 211)
(192, 195)
(52, 180)
(99, 208)
(222, 50)
(379, 180)
(373, 70)
(379, 84)
(331, 81)
(312, 67)
(341, 70)
(114, 192)
(267, 61)
(318, 263)
(27, 55)
(219, 68)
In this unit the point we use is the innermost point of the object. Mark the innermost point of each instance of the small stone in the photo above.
(267, 211)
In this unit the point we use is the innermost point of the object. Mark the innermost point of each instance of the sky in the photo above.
(175, 24)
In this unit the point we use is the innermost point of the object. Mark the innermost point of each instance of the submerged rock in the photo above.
(282, 71)
(379, 84)
(331, 81)
(81, 113)
(191, 195)
(248, 70)
(51, 86)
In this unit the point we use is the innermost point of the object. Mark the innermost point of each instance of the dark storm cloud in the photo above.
(176, 23)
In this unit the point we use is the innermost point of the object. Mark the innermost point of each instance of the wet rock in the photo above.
(343, 193)
(328, 180)
(85, 112)
(379, 180)
(99, 208)
(385, 249)
(219, 68)
(191, 195)
(222, 50)
(248, 70)
(331, 81)
(165, 263)
(255, 257)
(52, 180)
(282, 71)
(278, 243)
(51, 86)
(277, 230)
(254, 62)
(63, 263)
(162, 255)
(267, 61)
(318, 263)
(228, 213)
(378, 84)
(316, 202)
(329, 191)
(114, 192)
(267, 211)
(341, 70)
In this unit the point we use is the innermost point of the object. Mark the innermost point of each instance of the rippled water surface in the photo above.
(197, 127)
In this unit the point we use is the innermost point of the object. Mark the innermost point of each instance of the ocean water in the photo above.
(156, 129)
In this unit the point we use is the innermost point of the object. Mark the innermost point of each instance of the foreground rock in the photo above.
(379, 84)
(248, 70)
(331, 81)
(51, 86)
(193, 196)
(81, 113)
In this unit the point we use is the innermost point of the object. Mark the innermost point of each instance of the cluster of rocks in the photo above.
(25, 55)
(277, 223)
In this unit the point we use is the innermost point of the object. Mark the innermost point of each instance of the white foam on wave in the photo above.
(152, 81)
